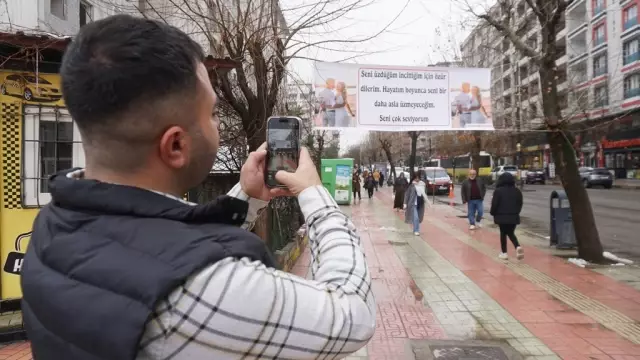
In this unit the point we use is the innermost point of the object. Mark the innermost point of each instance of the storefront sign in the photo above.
(588, 147)
(13, 263)
(613, 144)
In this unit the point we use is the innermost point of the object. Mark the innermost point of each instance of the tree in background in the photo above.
(549, 14)
(412, 155)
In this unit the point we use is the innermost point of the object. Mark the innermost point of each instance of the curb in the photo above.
(287, 256)
(615, 186)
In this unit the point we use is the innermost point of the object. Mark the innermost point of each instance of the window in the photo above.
(630, 52)
(601, 96)
(58, 8)
(600, 65)
(51, 143)
(632, 86)
(86, 13)
(598, 6)
(630, 16)
(599, 35)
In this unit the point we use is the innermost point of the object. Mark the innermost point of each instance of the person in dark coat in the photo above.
(506, 205)
(398, 189)
(355, 185)
(369, 184)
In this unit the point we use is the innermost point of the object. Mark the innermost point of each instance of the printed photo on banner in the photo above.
(389, 98)
(335, 96)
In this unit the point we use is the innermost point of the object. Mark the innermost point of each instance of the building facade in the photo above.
(38, 136)
(598, 62)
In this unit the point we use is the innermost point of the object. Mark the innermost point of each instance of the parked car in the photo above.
(499, 170)
(535, 176)
(596, 177)
(437, 180)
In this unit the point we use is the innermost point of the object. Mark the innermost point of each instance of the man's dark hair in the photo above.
(120, 74)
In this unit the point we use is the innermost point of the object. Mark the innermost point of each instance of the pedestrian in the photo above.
(355, 186)
(399, 189)
(119, 266)
(506, 205)
(473, 191)
(414, 202)
(376, 178)
(381, 179)
(369, 184)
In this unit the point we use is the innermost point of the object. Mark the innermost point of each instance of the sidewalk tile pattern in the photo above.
(15, 351)
(572, 310)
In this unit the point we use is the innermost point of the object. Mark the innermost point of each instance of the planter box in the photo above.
(287, 257)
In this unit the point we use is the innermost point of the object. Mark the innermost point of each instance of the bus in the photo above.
(462, 164)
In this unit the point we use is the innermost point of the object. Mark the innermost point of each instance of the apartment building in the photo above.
(598, 61)
(300, 95)
(59, 17)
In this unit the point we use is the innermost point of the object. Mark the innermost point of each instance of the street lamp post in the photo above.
(519, 164)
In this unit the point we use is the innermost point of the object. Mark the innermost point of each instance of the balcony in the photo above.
(631, 58)
(629, 93)
(599, 71)
(602, 102)
(598, 11)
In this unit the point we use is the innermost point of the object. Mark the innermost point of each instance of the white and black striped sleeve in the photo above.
(237, 308)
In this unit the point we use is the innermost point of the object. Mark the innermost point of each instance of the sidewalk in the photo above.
(446, 293)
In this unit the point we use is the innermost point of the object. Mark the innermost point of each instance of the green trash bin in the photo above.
(336, 178)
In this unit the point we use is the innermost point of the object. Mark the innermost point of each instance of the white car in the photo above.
(499, 170)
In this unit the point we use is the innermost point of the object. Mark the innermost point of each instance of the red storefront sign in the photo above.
(615, 144)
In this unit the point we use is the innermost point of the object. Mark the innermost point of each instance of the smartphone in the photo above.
(283, 147)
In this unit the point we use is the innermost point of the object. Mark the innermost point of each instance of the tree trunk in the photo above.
(475, 151)
(564, 156)
(392, 164)
(258, 134)
(412, 155)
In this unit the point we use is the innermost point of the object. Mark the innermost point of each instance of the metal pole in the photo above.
(434, 186)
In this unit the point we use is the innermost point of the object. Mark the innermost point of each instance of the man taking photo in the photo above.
(120, 267)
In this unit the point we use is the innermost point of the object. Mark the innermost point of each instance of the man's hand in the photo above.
(305, 176)
(404, 206)
(252, 175)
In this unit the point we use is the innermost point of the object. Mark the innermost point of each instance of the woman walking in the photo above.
(506, 205)
(355, 186)
(369, 184)
(414, 202)
(399, 189)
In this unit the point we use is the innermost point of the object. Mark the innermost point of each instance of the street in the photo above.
(616, 215)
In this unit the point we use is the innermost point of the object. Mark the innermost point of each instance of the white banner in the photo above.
(400, 98)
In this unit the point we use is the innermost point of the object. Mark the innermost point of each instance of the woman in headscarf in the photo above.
(399, 188)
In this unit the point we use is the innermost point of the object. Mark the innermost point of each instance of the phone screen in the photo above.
(283, 147)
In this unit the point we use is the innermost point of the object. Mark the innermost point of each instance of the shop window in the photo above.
(51, 143)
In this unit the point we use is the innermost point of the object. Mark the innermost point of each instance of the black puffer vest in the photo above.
(101, 257)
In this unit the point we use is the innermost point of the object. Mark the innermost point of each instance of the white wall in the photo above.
(36, 16)
(18, 15)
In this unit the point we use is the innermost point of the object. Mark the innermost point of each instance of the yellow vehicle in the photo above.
(460, 165)
(29, 87)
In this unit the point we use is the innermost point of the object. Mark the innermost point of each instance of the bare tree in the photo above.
(387, 141)
(412, 155)
(255, 35)
(549, 14)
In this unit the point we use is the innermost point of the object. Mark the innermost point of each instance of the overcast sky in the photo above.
(422, 32)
